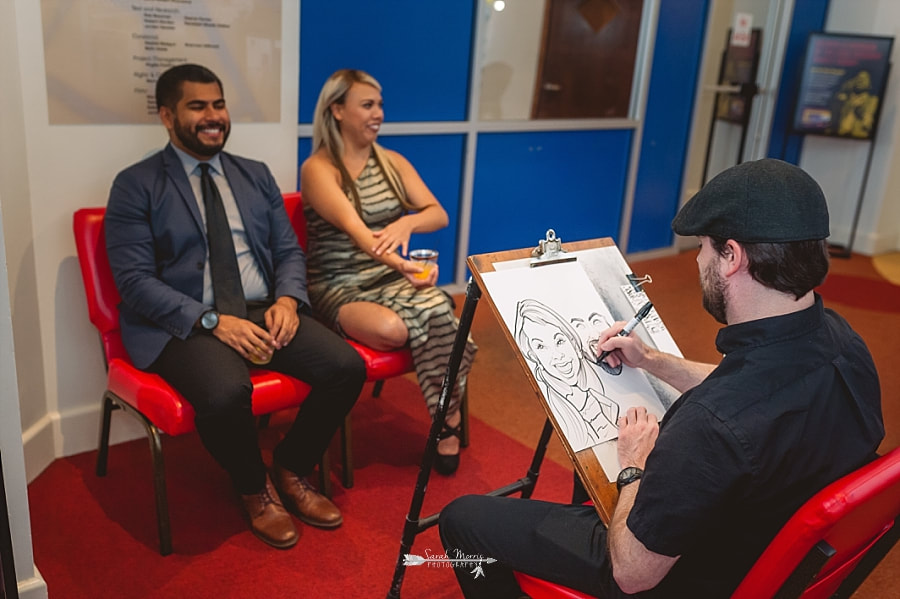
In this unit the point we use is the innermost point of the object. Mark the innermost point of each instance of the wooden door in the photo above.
(587, 59)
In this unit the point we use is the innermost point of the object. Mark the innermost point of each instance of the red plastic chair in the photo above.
(828, 537)
(828, 546)
(145, 396)
(380, 365)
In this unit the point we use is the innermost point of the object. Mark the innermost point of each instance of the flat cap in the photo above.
(764, 200)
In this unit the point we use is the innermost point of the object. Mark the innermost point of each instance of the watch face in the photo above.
(628, 476)
(209, 320)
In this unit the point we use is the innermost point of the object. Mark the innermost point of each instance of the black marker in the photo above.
(645, 309)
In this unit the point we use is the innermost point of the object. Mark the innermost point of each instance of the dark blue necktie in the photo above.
(228, 293)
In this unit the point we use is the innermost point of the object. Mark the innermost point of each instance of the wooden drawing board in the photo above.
(490, 271)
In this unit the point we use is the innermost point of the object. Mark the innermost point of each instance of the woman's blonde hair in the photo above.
(327, 134)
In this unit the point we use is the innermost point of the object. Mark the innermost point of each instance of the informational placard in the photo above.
(842, 85)
(102, 57)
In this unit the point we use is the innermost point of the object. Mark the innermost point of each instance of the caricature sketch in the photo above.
(554, 315)
(572, 388)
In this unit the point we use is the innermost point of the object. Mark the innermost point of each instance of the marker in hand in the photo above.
(630, 326)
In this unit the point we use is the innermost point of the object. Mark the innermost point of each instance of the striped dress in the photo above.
(338, 272)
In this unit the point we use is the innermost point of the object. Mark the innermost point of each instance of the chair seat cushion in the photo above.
(382, 365)
(172, 414)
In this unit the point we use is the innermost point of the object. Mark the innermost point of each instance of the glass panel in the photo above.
(553, 59)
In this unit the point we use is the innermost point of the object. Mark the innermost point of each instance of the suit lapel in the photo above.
(175, 171)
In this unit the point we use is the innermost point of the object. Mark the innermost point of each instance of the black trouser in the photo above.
(215, 380)
(565, 544)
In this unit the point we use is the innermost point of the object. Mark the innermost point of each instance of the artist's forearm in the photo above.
(635, 568)
(680, 373)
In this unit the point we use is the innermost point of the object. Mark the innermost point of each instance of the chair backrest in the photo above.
(99, 286)
(827, 537)
(293, 204)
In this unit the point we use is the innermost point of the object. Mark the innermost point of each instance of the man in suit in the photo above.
(793, 405)
(200, 329)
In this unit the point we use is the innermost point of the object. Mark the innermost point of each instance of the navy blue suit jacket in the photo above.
(157, 246)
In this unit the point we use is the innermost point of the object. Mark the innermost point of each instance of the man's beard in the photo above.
(713, 287)
(191, 140)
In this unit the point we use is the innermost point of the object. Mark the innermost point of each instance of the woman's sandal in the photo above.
(447, 464)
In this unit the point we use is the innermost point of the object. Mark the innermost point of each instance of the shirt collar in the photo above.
(190, 163)
(766, 331)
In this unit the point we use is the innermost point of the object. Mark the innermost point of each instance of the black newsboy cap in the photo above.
(765, 200)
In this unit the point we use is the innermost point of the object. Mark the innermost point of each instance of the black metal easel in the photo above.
(414, 524)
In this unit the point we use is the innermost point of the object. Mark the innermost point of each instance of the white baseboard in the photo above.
(33, 588)
(75, 431)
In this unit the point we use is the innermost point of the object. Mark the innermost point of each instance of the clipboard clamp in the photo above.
(549, 251)
(638, 282)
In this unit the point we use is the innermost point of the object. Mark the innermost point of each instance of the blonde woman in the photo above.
(362, 203)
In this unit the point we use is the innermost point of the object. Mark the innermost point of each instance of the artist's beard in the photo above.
(190, 139)
(713, 286)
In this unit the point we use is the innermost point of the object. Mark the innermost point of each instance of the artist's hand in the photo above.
(638, 430)
(393, 236)
(629, 350)
(413, 272)
(246, 338)
(282, 320)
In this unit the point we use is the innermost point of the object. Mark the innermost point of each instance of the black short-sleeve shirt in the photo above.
(794, 405)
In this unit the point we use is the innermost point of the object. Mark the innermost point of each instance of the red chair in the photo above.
(830, 544)
(145, 396)
(380, 365)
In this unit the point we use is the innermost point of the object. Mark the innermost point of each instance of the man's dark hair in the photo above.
(793, 267)
(168, 86)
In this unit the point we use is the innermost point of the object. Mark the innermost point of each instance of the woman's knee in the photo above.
(373, 325)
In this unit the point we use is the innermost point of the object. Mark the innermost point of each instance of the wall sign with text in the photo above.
(842, 86)
(102, 57)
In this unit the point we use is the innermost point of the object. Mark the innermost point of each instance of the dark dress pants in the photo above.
(215, 380)
(561, 543)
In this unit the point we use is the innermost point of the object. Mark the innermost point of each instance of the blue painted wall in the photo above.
(670, 104)
(418, 51)
(809, 16)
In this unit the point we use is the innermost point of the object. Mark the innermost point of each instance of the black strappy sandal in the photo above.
(447, 464)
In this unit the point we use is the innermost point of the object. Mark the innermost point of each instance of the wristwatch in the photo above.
(628, 476)
(209, 320)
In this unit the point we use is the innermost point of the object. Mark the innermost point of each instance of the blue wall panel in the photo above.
(670, 105)
(418, 51)
(525, 183)
(809, 16)
(438, 159)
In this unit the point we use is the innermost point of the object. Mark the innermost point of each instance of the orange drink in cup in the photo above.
(427, 259)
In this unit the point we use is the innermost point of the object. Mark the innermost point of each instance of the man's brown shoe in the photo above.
(302, 500)
(268, 519)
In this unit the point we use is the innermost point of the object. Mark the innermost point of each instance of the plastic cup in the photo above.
(260, 359)
(427, 259)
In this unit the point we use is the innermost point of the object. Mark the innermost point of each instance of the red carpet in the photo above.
(96, 537)
(862, 292)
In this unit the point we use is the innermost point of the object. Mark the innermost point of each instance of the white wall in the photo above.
(46, 173)
(839, 164)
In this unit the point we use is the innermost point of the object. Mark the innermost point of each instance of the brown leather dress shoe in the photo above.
(269, 521)
(302, 500)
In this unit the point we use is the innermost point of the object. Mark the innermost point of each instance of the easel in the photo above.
(603, 495)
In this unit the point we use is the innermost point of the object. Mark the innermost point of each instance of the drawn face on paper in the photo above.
(553, 350)
(589, 330)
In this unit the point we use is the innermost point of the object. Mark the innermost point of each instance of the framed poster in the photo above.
(842, 85)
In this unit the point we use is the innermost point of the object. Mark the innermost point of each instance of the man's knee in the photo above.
(458, 515)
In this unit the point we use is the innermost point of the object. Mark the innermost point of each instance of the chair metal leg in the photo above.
(376, 390)
(103, 447)
(163, 525)
(325, 475)
(347, 451)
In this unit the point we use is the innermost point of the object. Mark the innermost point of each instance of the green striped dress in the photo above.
(338, 272)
